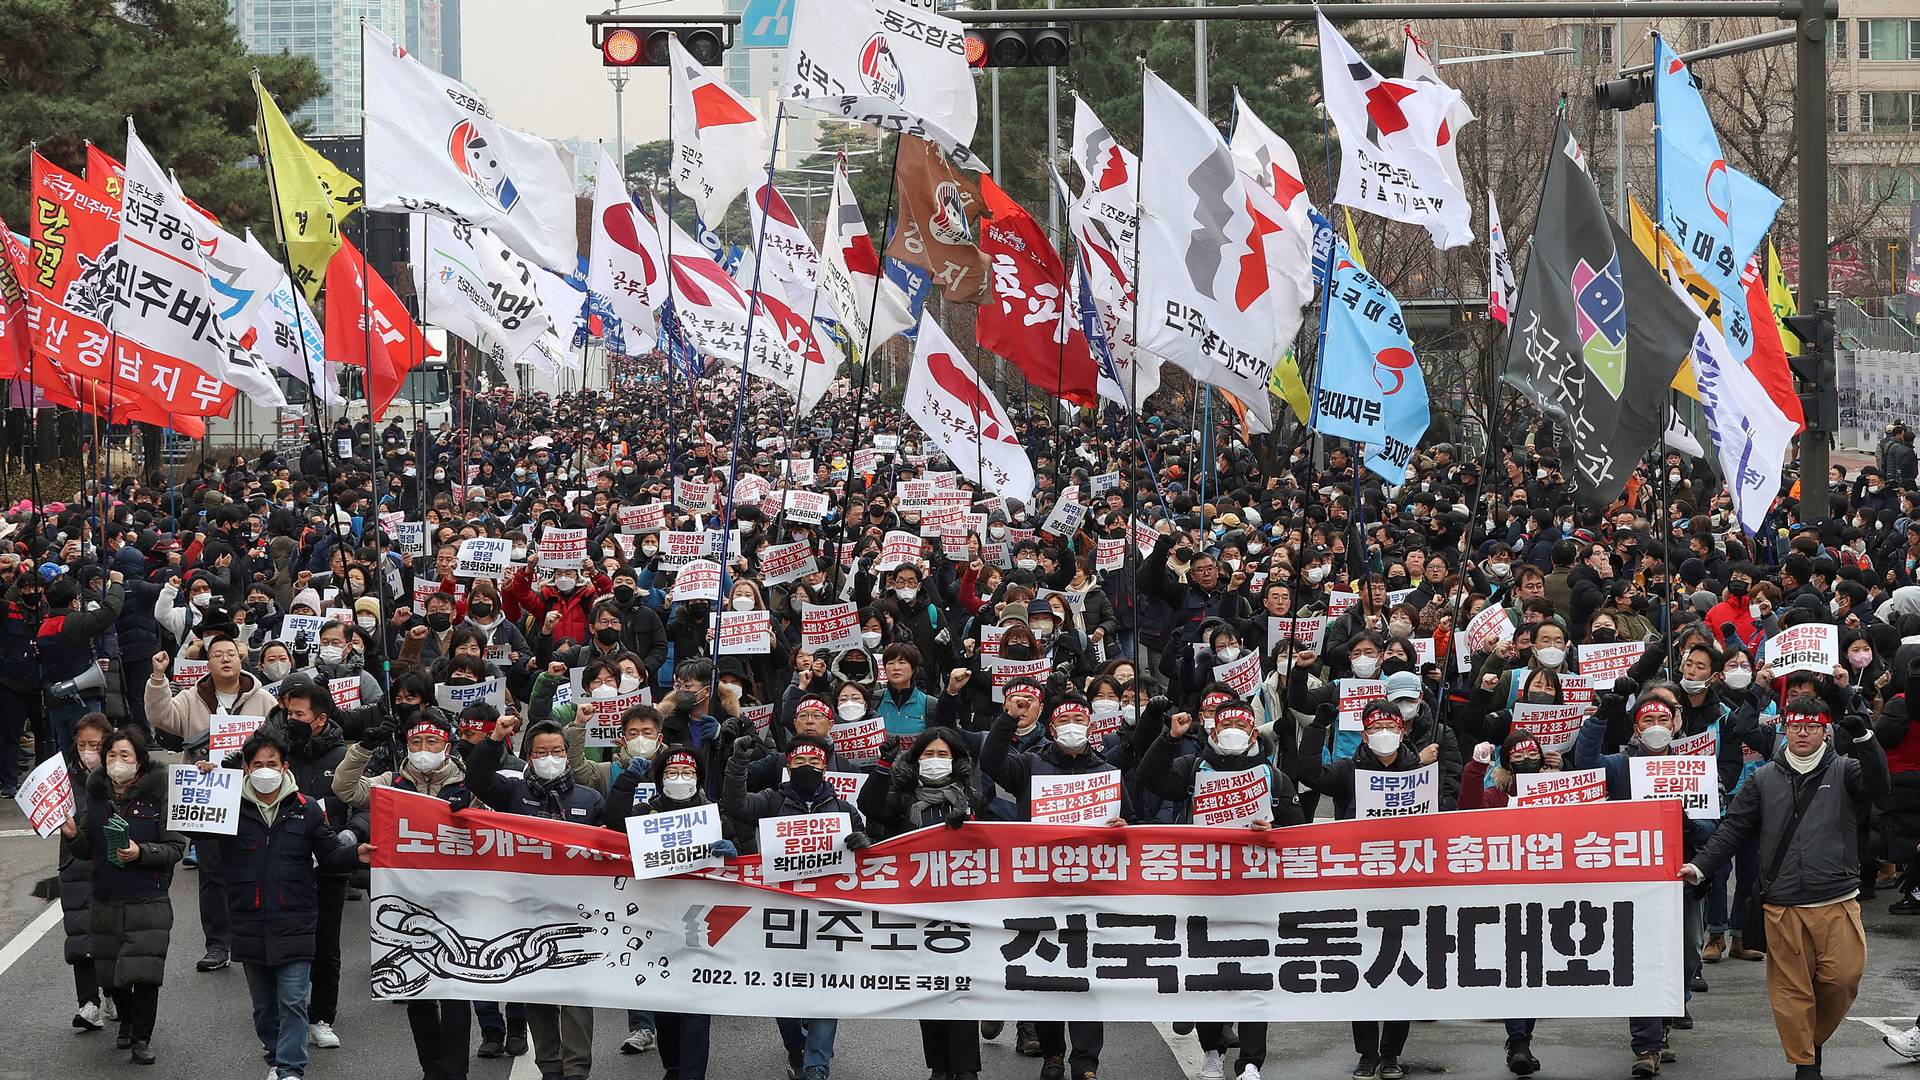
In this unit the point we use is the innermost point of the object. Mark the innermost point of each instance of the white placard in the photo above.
(781, 563)
(1692, 779)
(859, 741)
(674, 841)
(1554, 727)
(484, 557)
(1604, 663)
(1489, 626)
(638, 520)
(1307, 633)
(1559, 788)
(745, 633)
(1075, 799)
(897, 550)
(1811, 647)
(697, 580)
(455, 699)
(204, 803)
(345, 691)
(829, 626)
(292, 627)
(1242, 675)
(46, 796)
(1378, 793)
(1355, 694)
(562, 549)
(227, 734)
(805, 846)
(1232, 799)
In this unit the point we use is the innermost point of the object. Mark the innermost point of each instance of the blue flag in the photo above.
(1369, 380)
(1716, 213)
(915, 282)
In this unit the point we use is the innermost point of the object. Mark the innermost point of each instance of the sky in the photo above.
(538, 69)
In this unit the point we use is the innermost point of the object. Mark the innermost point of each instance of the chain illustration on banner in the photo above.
(424, 947)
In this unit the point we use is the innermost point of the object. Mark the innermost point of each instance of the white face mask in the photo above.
(1499, 569)
(905, 593)
(1400, 628)
(1550, 655)
(275, 670)
(1737, 678)
(604, 692)
(265, 781)
(121, 771)
(426, 761)
(201, 600)
(1656, 737)
(1070, 736)
(870, 638)
(1041, 628)
(935, 770)
(1693, 686)
(1227, 654)
(1317, 574)
(565, 582)
(90, 759)
(1026, 564)
(743, 603)
(629, 683)
(649, 550)
(1365, 666)
(332, 654)
(642, 746)
(679, 788)
(1231, 740)
(1384, 742)
(852, 710)
(549, 767)
(367, 622)
(1105, 708)
(1408, 709)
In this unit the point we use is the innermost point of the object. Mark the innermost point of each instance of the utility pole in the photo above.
(1810, 129)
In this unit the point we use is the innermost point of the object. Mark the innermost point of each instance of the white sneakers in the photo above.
(322, 1036)
(1251, 1072)
(638, 1041)
(88, 1018)
(1905, 1043)
(1215, 1068)
(108, 1011)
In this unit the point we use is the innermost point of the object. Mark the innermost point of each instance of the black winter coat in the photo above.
(76, 883)
(268, 872)
(131, 917)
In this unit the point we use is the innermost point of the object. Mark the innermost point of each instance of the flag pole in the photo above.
(740, 399)
(379, 578)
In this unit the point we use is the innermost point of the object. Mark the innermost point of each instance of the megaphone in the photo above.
(92, 682)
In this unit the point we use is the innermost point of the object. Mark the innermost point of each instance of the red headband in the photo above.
(426, 728)
(1071, 710)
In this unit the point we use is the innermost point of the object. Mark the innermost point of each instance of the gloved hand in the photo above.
(903, 775)
(1625, 687)
(459, 800)
(956, 818)
(1159, 707)
(1852, 725)
(856, 841)
(377, 736)
(725, 849)
(1325, 715)
(749, 748)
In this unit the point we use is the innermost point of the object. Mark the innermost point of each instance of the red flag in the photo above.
(1769, 360)
(381, 347)
(1027, 320)
(104, 172)
(16, 346)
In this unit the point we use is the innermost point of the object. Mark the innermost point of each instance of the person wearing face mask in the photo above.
(929, 782)
(1384, 747)
(273, 893)
(571, 594)
(693, 712)
(641, 629)
(855, 665)
(562, 1034)
(1655, 724)
(639, 742)
(1169, 770)
(118, 824)
(342, 655)
(808, 1041)
(1802, 807)
(76, 879)
(918, 613)
(1068, 751)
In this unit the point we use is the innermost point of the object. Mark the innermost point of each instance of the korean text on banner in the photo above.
(1554, 727)
(1694, 781)
(1602, 664)
(829, 626)
(1560, 788)
(1378, 794)
(1075, 799)
(227, 734)
(1222, 799)
(804, 846)
(1353, 699)
(1811, 647)
(46, 796)
(203, 802)
(674, 841)
(957, 924)
(483, 557)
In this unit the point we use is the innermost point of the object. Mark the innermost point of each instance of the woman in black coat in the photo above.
(931, 782)
(76, 878)
(120, 825)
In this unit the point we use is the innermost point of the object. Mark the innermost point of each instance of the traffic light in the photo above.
(1815, 368)
(1026, 46)
(1623, 94)
(646, 46)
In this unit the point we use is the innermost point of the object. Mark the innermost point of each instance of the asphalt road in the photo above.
(205, 1028)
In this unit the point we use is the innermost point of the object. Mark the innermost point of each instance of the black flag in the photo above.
(1596, 335)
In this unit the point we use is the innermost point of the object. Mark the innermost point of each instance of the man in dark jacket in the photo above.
(66, 644)
(1802, 805)
(315, 747)
(562, 1034)
(273, 895)
(21, 702)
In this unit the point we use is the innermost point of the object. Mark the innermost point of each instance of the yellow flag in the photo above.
(311, 196)
(1780, 298)
(1662, 252)
(1353, 243)
(1286, 384)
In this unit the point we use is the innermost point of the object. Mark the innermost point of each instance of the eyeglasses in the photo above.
(1811, 728)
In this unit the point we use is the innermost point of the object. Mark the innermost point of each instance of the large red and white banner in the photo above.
(1545, 912)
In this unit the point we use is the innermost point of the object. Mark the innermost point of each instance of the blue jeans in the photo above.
(63, 713)
(492, 1020)
(637, 1020)
(809, 1044)
(280, 1012)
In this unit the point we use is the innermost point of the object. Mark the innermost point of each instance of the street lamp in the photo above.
(1479, 57)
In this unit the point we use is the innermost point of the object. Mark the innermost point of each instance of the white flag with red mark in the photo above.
(719, 142)
(868, 304)
(626, 263)
(1500, 287)
(947, 398)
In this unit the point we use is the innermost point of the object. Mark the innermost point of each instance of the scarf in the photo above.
(1805, 765)
(939, 798)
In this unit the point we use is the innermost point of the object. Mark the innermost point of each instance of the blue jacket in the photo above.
(269, 872)
(558, 800)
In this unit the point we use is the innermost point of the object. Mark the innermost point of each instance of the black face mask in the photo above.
(1525, 765)
(1736, 588)
(438, 621)
(607, 635)
(1604, 636)
(805, 779)
(480, 611)
(623, 593)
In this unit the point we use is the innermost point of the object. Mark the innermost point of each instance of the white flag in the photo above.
(1750, 433)
(1206, 304)
(1390, 135)
(1104, 218)
(947, 399)
(626, 263)
(1279, 199)
(434, 147)
(474, 285)
(719, 143)
(1419, 67)
(1501, 291)
(163, 297)
(787, 252)
(850, 271)
(242, 274)
(712, 310)
(885, 63)
(566, 310)
(287, 337)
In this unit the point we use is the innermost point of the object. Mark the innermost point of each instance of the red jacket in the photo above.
(1735, 610)
(522, 600)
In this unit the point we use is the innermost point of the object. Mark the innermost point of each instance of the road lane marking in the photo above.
(16, 948)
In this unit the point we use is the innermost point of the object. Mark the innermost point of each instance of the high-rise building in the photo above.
(328, 33)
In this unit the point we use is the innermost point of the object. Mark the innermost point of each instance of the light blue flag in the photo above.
(1716, 213)
(1369, 381)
